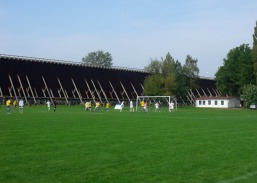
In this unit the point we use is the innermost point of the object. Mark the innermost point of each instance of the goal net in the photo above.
(162, 100)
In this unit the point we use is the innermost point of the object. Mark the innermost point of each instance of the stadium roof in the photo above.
(80, 64)
(71, 63)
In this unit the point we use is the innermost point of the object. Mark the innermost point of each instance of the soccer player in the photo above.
(90, 105)
(86, 106)
(107, 105)
(48, 103)
(142, 104)
(121, 106)
(97, 106)
(131, 106)
(14, 104)
(55, 104)
(21, 104)
(8, 105)
(146, 107)
(156, 105)
(171, 106)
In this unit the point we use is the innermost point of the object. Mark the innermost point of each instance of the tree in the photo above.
(154, 67)
(191, 70)
(154, 85)
(162, 81)
(181, 82)
(169, 77)
(168, 72)
(169, 85)
(237, 71)
(249, 94)
(168, 65)
(254, 52)
(98, 58)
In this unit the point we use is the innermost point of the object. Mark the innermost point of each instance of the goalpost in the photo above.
(167, 98)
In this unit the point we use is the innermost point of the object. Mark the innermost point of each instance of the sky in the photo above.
(133, 31)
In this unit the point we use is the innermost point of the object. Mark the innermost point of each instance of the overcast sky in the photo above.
(133, 31)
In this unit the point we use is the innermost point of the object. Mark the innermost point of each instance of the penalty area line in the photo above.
(248, 175)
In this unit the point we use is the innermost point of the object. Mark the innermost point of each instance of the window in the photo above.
(216, 102)
(200, 102)
(209, 102)
(222, 102)
(204, 102)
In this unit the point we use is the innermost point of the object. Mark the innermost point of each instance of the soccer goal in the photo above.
(164, 100)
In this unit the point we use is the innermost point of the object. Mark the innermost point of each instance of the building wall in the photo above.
(234, 103)
(218, 103)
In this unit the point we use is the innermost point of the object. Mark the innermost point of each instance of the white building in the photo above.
(218, 102)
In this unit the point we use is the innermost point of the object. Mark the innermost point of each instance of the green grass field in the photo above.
(187, 146)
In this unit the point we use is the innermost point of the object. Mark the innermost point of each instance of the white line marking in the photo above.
(239, 178)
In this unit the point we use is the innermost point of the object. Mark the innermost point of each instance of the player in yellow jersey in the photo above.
(107, 106)
(142, 104)
(97, 106)
(90, 105)
(14, 104)
(8, 105)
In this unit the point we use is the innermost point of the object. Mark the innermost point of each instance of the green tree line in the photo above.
(170, 77)
(238, 75)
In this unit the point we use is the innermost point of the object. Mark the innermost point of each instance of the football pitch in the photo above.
(190, 145)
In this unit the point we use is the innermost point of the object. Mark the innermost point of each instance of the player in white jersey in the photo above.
(131, 106)
(146, 106)
(171, 106)
(121, 106)
(21, 105)
(156, 105)
(86, 106)
(48, 104)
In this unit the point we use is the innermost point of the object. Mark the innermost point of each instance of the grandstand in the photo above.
(38, 79)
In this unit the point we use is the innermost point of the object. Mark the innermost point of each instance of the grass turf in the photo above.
(71, 145)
